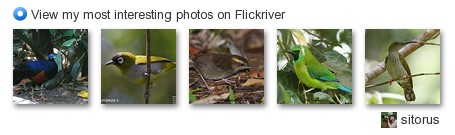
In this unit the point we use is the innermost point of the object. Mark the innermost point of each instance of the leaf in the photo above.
(287, 80)
(69, 33)
(83, 94)
(231, 96)
(250, 82)
(299, 35)
(76, 68)
(69, 43)
(192, 97)
(323, 96)
(53, 32)
(58, 59)
(346, 36)
(345, 78)
(329, 35)
(85, 42)
(283, 94)
(294, 98)
(318, 51)
(335, 62)
(287, 38)
(344, 100)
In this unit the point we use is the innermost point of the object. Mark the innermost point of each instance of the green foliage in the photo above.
(288, 87)
(231, 96)
(384, 98)
(71, 47)
(325, 46)
(322, 96)
(192, 97)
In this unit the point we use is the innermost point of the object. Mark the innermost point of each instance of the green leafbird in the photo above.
(397, 67)
(311, 73)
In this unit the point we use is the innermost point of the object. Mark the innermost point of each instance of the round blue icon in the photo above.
(16, 13)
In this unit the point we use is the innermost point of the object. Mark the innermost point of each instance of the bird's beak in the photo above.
(294, 54)
(109, 63)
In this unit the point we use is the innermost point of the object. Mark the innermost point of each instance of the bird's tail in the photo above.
(344, 88)
(409, 94)
(17, 77)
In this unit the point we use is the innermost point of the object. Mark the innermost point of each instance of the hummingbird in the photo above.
(397, 67)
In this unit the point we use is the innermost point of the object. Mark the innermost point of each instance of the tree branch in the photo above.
(283, 49)
(405, 51)
(400, 78)
(148, 73)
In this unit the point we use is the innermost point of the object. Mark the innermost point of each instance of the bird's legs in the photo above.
(206, 85)
(33, 94)
(42, 97)
(226, 80)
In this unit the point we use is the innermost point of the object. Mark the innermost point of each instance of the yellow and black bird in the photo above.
(398, 68)
(134, 66)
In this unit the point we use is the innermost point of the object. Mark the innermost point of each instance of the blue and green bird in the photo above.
(311, 73)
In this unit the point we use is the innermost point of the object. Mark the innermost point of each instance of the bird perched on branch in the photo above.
(38, 72)
(311, 73)
(397, 67)
(134, 66)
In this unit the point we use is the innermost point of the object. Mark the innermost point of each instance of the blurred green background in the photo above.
(115, 86)
(424, 60)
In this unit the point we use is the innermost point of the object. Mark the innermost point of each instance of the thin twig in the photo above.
(282, 48)
(304, 93)
(309, 90)
(148, 73)
(433, 44)
(336, 97)
(399, 78)
(405, 51)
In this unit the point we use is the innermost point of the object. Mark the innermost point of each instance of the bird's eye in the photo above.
(120, 60)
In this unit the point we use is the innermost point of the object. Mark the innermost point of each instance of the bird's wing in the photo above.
(143, 59)
(315, 69)
(406, 67)
(321, 73)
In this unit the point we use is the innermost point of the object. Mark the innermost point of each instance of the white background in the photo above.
(269, 118)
